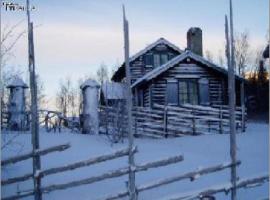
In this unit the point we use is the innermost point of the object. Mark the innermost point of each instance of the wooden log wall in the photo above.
(217, 83)
(138, 67)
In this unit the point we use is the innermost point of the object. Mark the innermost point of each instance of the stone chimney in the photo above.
(194, 40)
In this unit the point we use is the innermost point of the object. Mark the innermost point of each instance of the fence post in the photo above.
(220, 122)
(34, 108)
(165, 120)
(193, 122)
(131, 162)
(243, 125)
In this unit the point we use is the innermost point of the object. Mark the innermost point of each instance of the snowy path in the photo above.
(199, 151)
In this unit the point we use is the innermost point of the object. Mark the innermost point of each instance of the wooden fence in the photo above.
(192, 175)
(107, 175)
(165, 121)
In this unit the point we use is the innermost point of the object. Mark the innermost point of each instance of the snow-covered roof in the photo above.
(149, 47)
(113, 90)
(159, 70)
(143, 51)
(17, 82)
(89, 83)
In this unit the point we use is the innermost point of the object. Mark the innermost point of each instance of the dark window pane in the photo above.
(193, 93)
(164, 58)
(140, 98)
(183, 92)
(204, 91)
(172, 94)
(188, 91)
(156, 60)
(148, 59)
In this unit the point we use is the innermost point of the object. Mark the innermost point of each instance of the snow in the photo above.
(203, 151)
(89, 83)
(17, 82)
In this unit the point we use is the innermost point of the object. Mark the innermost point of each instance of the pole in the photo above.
(231, 86)
(243, 108)
(34, 109)
(131, 185)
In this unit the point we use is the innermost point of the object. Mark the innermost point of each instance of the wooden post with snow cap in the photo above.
(90, 106)
(34, 107)
(231, 88)
(131, 182)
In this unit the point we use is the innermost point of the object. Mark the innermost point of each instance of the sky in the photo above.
(73, 38)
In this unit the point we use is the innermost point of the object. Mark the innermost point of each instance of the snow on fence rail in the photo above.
(242, 183)
(31, 154)
(165, 121)
(91, 161)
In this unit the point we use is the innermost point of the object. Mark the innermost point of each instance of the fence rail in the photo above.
(31, 154)
(226, 188)
(107, 175)
(166, 121)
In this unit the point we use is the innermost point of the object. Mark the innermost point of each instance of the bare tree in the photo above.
(67, 98)
(242, 52)
(10, 35)
(9, 38)
(209, 55)
(221, 58)
(102, 73)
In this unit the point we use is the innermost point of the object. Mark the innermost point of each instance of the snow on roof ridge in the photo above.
(150, 46)
(89, 83)
(17, 82)
(157, 71)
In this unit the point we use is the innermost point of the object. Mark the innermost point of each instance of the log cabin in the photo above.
(164, 74)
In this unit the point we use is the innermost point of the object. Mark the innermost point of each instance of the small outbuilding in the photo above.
(112, 93)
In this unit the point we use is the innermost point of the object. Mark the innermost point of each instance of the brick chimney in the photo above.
(194, 40)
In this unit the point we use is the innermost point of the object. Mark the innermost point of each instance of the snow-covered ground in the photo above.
(198, 151)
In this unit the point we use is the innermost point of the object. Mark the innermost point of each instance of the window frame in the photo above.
(174, 81)
(188, 81)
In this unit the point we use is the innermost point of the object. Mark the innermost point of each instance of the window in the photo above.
(183, 92)
(148, 59)
(156, 60)
(188, 91)
(164, 58)
(160, 59)
(204, 91)
(172, 96)
(140, 98)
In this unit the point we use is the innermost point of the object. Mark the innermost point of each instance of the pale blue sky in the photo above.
(74, 37)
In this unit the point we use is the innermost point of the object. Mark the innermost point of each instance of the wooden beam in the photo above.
(40, 152)
(84, 163)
